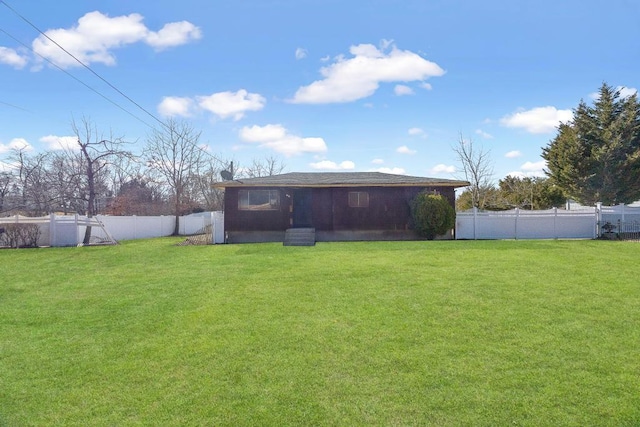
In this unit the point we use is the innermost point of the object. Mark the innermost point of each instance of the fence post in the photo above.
(475, 221)
(77, 229)
(516, 223)
(597, 229)
(555, 220)
(52, 229)
(213, 228)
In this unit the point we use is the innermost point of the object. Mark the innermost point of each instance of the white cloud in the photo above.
(329, 165)
(483, 134)
(358, 77)
(223, 104)
(513, 154)
(11, 57)
(263, 133)
(405, 150)
(231, 104)
(15, 144)
(530, 170)
(426, 86)
(401, 90)
(534, 166)
(173, 34)
(416, 132)
(626, 92)
(96, 35)
(377, 161)
(301, 53)
(176, 106)
(537, 120)
(60, 142)
(325, 58)
(394, 171)
(278, 138)
(442, 169)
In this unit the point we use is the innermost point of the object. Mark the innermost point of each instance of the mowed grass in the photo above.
(486, 333)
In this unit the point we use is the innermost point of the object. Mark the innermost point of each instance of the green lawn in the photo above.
(444, 333)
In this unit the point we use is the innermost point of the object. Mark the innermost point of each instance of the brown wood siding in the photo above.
(243, 220)
(323, 209)
(388, 209)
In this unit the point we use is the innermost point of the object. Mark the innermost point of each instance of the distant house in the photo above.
(329, 206)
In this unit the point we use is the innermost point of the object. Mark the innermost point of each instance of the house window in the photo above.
(258, 200)
(358, 199)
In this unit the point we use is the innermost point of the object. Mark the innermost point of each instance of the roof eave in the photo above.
(239, 184)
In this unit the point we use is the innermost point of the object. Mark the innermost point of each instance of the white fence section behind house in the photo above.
(145, 227)
(620, 214)
(68, 230)
(519, 224)
(59, 230)
(218, 227)
(42, 222)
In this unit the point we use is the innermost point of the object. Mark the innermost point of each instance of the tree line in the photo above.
(595, 157)
(100, 174)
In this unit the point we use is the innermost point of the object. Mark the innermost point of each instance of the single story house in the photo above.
(329, 206)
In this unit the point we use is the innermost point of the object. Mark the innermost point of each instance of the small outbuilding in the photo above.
(321, 207)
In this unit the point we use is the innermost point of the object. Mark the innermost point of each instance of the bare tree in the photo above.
(33, 194)
(211, 198)
(138, 196)
(96, 154)
(477, 168)
(124, 169)
(265, 167)
(6, 183)
(175, 155)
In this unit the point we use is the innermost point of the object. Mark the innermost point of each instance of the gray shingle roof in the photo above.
(341, 179)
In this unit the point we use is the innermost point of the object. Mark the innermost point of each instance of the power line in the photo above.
(76, 79)
(15, 106)
(82, 64)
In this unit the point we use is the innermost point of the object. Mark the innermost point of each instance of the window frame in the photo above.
(361, 199)
(250, 194)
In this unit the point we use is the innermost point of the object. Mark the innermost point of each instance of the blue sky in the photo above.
(324, 85)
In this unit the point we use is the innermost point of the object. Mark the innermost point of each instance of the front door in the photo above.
(302, 209)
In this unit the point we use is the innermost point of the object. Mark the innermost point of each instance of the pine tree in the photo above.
(596, 156)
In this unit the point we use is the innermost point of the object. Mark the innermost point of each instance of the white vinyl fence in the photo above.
(584, 223)
(620, 221)
(68, 230)
(519, 224)
(620, 215)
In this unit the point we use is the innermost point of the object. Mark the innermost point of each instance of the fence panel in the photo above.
(41, 222)
(517, 224)
(619, 214)
(137, 227)
(68, 230)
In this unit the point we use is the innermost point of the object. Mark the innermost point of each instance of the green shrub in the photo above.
(432, 215)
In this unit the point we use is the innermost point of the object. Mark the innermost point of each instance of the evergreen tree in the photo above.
(432, 215)
(596, 156)
(529, 193)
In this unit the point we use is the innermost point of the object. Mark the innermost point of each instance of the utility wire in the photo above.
(74, 78)
(15, 106)
(82, 64)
